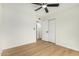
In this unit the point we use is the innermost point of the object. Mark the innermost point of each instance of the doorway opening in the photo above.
(38, 30)
(46, 30)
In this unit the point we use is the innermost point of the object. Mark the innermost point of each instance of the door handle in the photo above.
(46, 31)
(34, 28)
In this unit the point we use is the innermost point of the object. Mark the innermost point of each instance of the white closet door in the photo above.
(45, 30)
(51, 30)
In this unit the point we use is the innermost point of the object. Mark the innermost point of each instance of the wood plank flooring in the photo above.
(40, 48)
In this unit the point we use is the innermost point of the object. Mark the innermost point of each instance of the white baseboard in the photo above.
(18, 44)
(72, 48)
(12, 46)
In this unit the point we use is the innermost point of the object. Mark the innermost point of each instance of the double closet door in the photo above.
(49, 30)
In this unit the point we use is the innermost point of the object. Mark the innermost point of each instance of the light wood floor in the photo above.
(40, 48)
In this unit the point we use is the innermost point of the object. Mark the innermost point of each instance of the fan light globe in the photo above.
(44, 6)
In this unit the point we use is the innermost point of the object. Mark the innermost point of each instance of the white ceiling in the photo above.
(53, 10)
(41, 13)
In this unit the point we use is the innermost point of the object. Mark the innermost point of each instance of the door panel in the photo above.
(45, 30)
(48, 30)
(51, 32)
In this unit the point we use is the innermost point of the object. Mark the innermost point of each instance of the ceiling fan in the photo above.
(45, 5)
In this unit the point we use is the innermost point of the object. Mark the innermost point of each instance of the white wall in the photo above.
(18, 23)
(1, 41)
(67, 26)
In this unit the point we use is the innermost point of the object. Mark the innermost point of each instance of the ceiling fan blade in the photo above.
(37, 3)
(38, 8)
(46, 10)
(53, 5)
